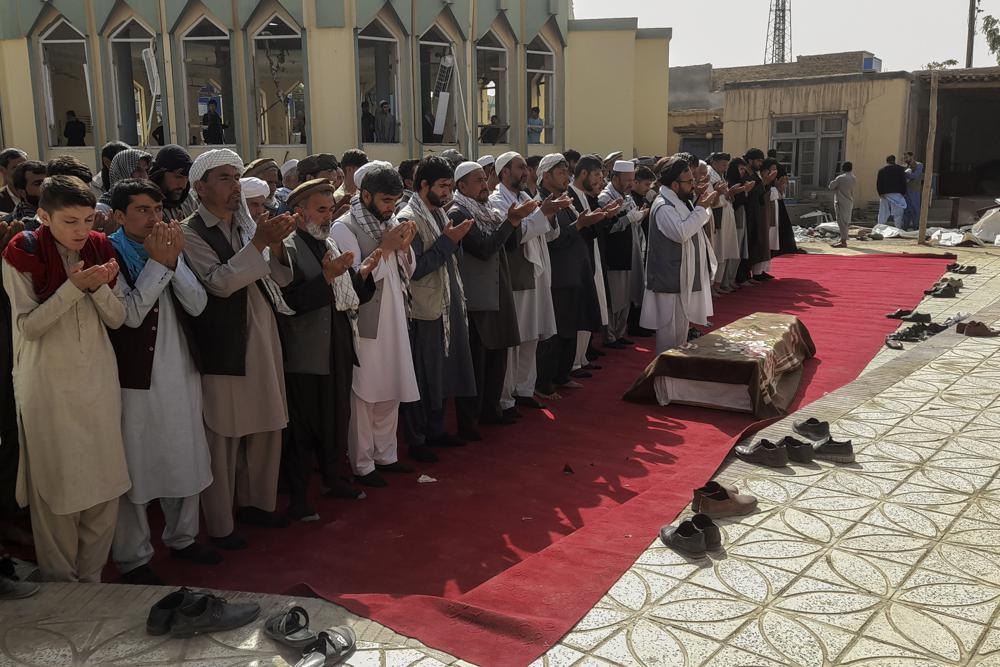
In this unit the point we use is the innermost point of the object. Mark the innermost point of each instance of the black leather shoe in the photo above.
(198, 553)
(686, 537)
(916, 317)
(838, 452)
(713, 536)
(898, 314)
(372, 479)
(626, 341)
(812, 429)
(161, 615)
(763, 452)
(798, 451)
(231, 542)
(421, 453)
(210, 613)
(398, 467)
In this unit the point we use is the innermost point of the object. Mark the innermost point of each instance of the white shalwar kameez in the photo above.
(385, 376)
(536, 318)
(162, 427)
(671, 314)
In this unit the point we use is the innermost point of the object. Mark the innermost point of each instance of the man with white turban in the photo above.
(289, 180)
(255, 191)
(241, 264)
(530, 277)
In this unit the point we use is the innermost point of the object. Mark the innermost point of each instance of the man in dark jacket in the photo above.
(891, 186)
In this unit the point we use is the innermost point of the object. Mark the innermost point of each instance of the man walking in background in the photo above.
(843, 187)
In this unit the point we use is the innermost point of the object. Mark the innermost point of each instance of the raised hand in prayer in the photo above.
(708, 199)
(553, 204)
(160, 247)
(341, 206)
(518, 213)
(336, 267)
(7, 232)
(409, 235)
(371, 261)
(769, 175)
(392, 239)
(592, 218)
(104, 223)
(457, 232)
(90, 279)
(272, 231)
(611, 208)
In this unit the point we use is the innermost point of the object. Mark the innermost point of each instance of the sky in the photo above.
(905, 34)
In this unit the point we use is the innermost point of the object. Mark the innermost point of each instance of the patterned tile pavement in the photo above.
(894, 560)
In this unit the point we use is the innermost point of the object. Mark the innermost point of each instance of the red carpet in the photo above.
(505, 552)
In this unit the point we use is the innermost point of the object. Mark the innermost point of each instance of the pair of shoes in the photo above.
(186, 613)
(977, 329)
(11, 589)
(798, 451)
(196, 552)
(954, 282)
(580, 374)
(914, 316)
(967, 269)
(255, 516)
(763, 452)
(421, 453)
(943, 292)
(142, 576)
(722, 500)
(824, 446)
(694, 536)
(899, 314)
(529, 402)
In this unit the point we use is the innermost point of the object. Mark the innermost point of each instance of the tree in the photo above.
(991, 31)
(944, 64)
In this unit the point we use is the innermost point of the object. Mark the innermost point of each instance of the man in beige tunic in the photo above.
(72, 462)
(241, 264)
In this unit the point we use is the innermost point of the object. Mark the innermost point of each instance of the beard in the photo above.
(434, 199)
(318, 232)
(378, 216)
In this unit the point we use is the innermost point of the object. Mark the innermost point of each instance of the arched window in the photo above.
(279, 83)
(67, 86)
(136, 84)
(208, 84)
(437, 74)
(378, 77)
(541, 69)
(491, 89)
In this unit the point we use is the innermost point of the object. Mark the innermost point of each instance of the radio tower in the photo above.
(778, 47)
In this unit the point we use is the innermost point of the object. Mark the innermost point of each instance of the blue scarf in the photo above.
(133, 252)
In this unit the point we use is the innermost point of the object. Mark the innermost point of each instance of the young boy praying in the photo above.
(60, 281)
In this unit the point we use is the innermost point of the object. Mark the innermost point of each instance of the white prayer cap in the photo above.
(288, 166)
(254, 187)
(624, 166)
(548, 163)
(505, 158)
(486, 160)
(217, 157)
(613, 156)
(464, 169)
(359, 175)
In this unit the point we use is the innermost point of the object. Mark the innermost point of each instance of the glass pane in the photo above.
(69, 97)
(132, 94)
(377, 69)
(436, 110)
(206, 28)
(279, 90)
(833, 124)
(807, 162)
(538, 61)
(64, 31)
(208, 85)
(132, 30)
(540, 109)
(376, 29)
(277, 27)
(538, 44)
(784, 127)
(807, 125)
(491, 85)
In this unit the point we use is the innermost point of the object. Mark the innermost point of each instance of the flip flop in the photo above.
(291, 628)
(332, 647)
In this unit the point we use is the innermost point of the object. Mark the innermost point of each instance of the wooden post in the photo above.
(971, 37)
(925, 195)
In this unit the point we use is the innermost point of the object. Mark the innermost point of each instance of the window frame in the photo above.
(505, 118)
(549, 127)
(43, 39)
(252, 39)
(184, 37)
(395, 103)
(798, 138)
(455, 71)
(150, 43)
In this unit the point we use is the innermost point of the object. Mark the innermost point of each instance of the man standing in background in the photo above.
(843, 187)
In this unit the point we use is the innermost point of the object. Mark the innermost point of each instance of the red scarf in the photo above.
(36, 253)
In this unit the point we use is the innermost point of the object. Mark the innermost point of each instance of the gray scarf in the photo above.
(487, 218)
(375, 228)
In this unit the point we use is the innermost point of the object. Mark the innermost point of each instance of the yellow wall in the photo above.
(876, 119)
(651, 85)
(18, 113)
(600, 91)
